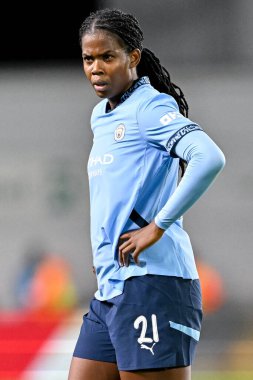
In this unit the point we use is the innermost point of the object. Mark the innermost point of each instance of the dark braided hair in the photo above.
(127, 27)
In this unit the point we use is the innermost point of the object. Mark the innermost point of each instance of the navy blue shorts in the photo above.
(154, 324)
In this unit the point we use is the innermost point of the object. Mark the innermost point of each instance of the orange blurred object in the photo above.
(212, 287)
(51, 287)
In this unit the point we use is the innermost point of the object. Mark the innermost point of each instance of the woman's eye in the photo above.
(107, 57)
(88, 59)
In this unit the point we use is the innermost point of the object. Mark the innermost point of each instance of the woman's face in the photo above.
(107, 65)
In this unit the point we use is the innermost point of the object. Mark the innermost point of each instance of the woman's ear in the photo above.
(135, 57)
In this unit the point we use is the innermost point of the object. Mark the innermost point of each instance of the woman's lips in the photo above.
(99, 86)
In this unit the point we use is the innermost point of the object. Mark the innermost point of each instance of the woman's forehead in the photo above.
(100, 37)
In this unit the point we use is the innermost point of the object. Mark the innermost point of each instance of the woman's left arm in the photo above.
(205, 161)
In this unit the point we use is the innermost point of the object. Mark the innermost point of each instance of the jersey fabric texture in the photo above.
(132, 165)
(158, 329)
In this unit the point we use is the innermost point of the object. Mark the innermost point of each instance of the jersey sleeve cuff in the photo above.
(161, 224)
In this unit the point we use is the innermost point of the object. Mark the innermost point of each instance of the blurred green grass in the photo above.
(224, 375)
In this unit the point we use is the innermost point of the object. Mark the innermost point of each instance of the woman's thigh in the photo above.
(183, 373)
(85, 369)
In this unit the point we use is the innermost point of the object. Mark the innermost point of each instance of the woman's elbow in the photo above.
(218, 162)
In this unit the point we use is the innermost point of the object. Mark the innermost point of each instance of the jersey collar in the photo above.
(136, 84)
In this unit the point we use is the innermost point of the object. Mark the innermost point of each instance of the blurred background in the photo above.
(45, 106)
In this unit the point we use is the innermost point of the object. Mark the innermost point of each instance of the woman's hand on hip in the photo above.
(134, 242)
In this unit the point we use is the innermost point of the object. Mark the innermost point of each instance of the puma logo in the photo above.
(149, 348)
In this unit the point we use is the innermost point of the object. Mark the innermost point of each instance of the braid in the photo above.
(127, 27)
(160, 79)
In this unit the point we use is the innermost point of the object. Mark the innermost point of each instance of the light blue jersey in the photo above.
(132, 166)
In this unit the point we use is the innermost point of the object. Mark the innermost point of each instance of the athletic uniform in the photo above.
(147, 315)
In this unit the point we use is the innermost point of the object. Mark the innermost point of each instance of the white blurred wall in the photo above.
(44, 145)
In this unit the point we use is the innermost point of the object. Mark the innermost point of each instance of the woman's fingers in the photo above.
(134, 242)
(135, 256)
(127, 235)
(130, 246)
(124, 250)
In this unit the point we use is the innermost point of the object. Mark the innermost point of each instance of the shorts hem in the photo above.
(95, 359)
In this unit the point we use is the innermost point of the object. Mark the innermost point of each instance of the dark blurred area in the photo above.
(43, 31)
(209, 31)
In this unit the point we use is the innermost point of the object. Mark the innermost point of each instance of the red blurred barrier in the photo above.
(22, 334)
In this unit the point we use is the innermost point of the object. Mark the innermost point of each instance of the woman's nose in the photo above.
(97, 67)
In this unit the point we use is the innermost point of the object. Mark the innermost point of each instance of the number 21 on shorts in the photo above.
(143, 320)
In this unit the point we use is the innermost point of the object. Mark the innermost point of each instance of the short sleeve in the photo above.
(161, 123)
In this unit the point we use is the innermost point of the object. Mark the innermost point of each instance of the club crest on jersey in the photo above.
(119, 132)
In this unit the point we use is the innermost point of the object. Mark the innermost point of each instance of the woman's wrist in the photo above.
(157, 227)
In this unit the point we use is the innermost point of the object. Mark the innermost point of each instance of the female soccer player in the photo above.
(145, 318)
